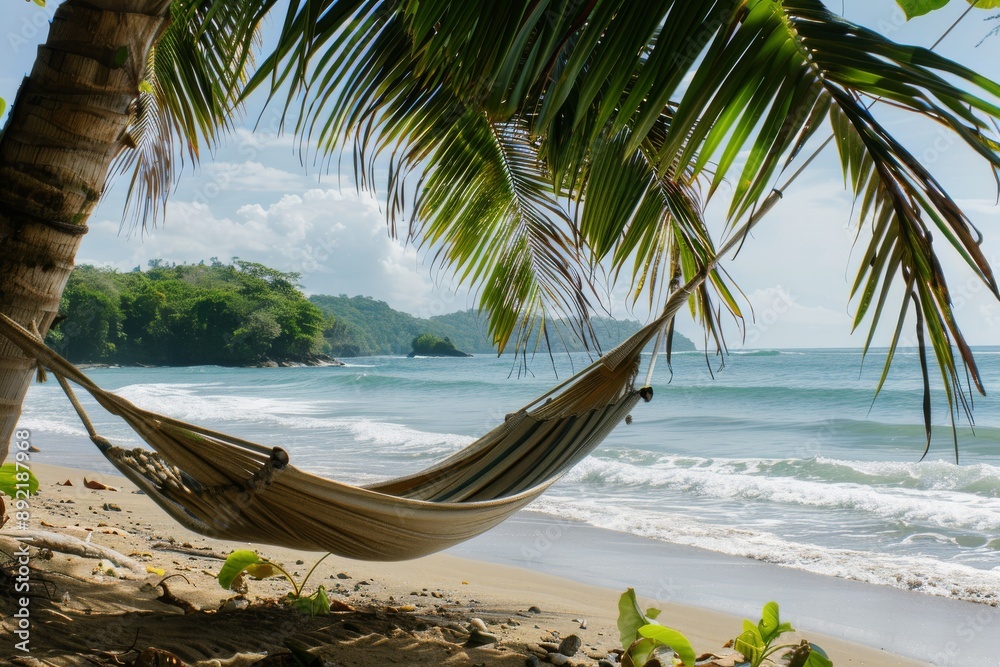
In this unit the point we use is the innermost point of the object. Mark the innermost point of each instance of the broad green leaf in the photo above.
(913, 8)
(14, 478)
(770, 624)
(3, 105)
(769, 620)
(145, 87)
(263, 570)
(630, 618)
(676, 641)
(652, 613)
(40, 3)
(237, 562)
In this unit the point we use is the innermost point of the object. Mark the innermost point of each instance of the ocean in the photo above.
(777, 455)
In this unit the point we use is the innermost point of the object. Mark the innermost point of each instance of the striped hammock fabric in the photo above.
(229, 488)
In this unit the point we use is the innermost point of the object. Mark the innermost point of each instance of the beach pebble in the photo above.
(604, 662)
(342, 575)
(436, 594)
(558, 659)
(479, 638)
(478, 624)
(532, 661)
(111, 507)
(534, 610)
(570, 645)
(583, 624)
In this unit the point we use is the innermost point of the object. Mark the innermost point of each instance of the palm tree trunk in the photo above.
(66, 127)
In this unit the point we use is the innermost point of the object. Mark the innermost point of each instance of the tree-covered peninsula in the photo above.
(179, 315)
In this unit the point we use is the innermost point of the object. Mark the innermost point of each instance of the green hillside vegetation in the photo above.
(363, 326)
(226, 314)
(245, 314)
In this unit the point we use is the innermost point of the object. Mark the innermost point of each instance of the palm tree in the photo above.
(534, 147)
(113, 87)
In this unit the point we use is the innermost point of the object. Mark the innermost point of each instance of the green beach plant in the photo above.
(244, 561)
(16, 483)
(757, 642)
(16, 480)
(643, 638)
(645, 641)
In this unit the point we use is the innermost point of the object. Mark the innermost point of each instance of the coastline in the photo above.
(469, 582)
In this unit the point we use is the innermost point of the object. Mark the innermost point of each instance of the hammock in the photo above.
(229, 488)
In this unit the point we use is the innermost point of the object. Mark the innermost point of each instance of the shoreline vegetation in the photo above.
(250, 315)
(155, 594)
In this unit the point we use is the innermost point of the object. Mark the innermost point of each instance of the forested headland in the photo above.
(246, 314)
(183, 315)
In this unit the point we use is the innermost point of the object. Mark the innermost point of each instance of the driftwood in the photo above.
(74, 546)
(190, 551)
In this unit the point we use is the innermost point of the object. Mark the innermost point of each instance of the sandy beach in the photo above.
(90, 611)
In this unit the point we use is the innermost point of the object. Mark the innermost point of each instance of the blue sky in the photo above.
(255, 200)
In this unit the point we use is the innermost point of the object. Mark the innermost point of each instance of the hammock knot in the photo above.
(279, 458)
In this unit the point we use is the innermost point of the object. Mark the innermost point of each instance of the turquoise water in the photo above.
(779, 455)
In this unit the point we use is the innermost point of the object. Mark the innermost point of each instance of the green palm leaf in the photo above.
(189, 96)
(636, 112)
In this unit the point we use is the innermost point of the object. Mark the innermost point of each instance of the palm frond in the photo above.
(188, 96)
(484, 206)
(638, 111)
(489, 210)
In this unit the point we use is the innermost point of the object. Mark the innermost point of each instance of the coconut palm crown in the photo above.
(532, 146)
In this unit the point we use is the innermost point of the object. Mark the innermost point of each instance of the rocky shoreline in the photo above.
(313, 360)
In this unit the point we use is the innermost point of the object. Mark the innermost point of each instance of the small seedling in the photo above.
(756, 642)
(245, 561)
(643, 638)
(646, 642)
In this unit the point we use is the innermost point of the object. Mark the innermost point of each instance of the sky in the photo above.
(254, 199)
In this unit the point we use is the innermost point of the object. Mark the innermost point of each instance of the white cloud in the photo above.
(252, 176)
(336, 240)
